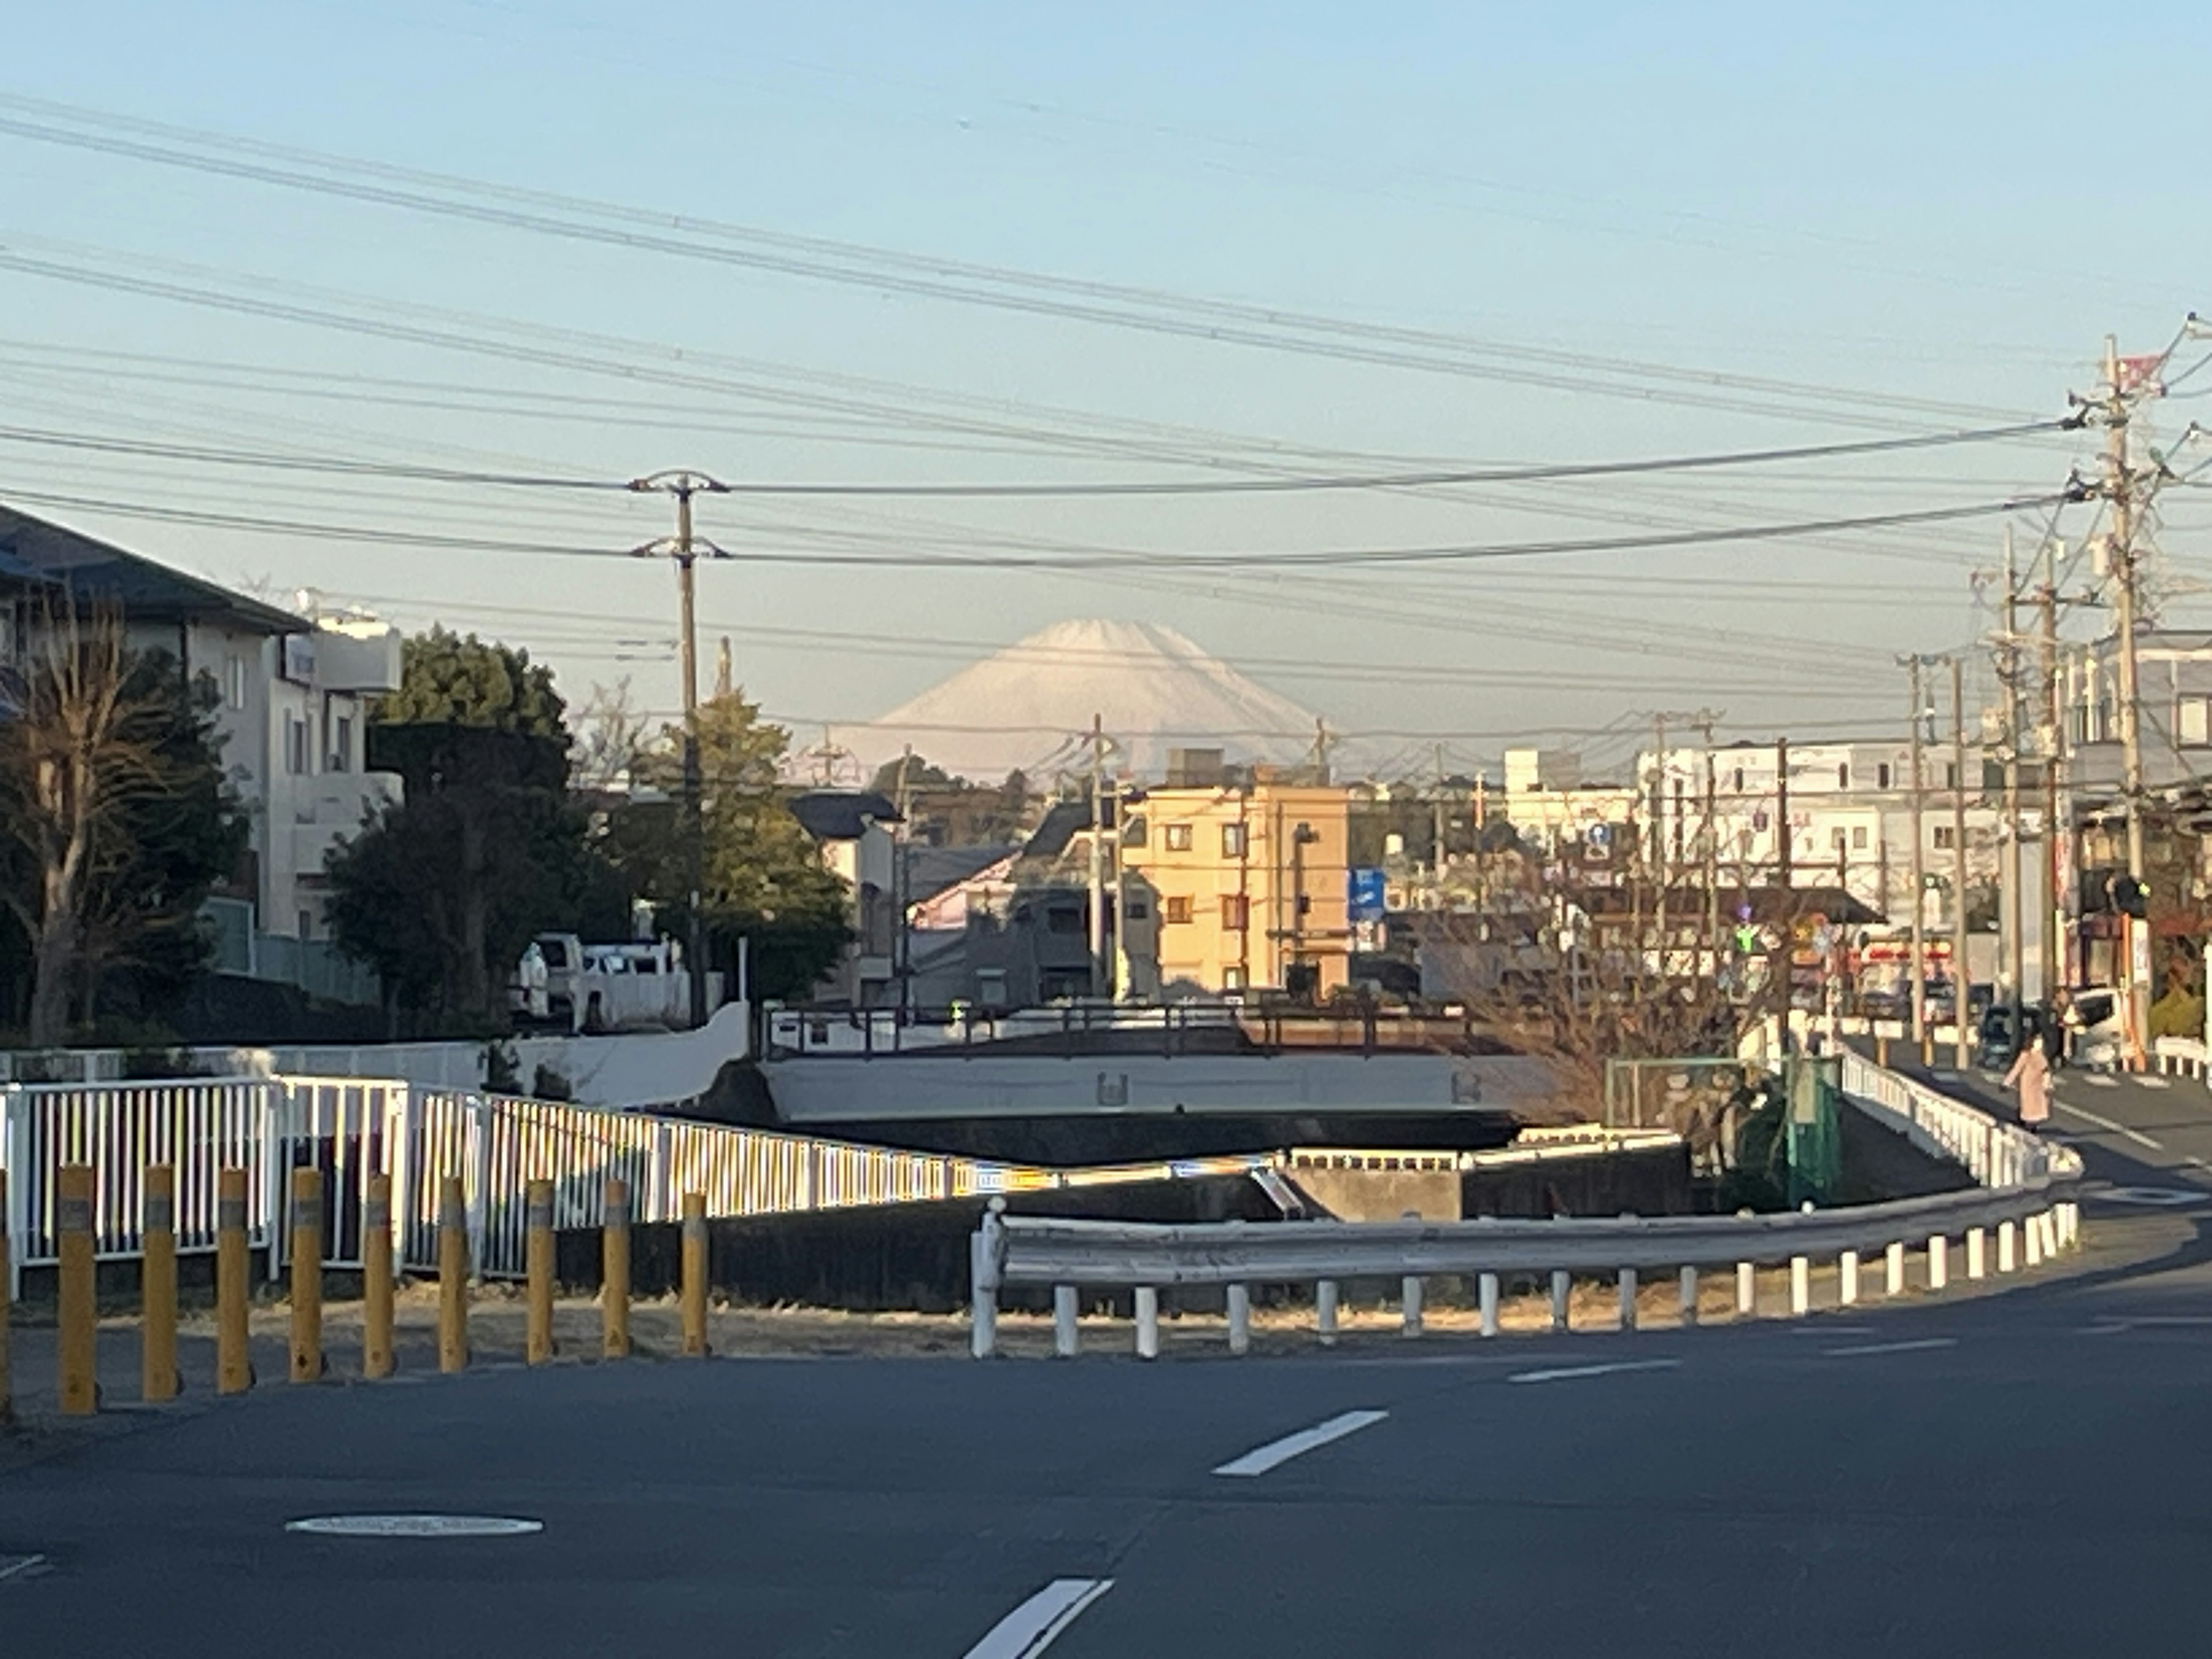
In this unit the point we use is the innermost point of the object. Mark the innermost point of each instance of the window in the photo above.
(1178, 908)
(1858, 838)
(1178, 838)
(1137, 910)
(1235, 912)
(235, 681)
(1841, 840)
(1063, 919)
(1881, 775)
(1739, 780)
(1132, 830)
(1944, 837)
(1950, 774)
(295, 744)
(2195, 721)
(1843, 776)
(342, 743)
(1232, 979)
(1232, 841)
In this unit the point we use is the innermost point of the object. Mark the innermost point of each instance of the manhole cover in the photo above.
(414, 1525)
(2151, 1197)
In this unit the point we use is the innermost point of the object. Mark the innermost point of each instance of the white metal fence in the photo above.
(353, 1128)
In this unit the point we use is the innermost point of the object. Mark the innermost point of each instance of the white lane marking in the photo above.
(2135, 1135)
(20, 1566)
(1032, 1627)
(1260, 1459)
(1917, 1345)
(2098, 1079)
(416, 1526)
(2171, 1198)
(1562, 1373)
(2130, 1321)
(1830, 1330)
(2156, 1081)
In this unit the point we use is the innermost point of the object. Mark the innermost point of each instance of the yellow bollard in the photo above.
(694, 1275)
(307, 1275)
(452, 1276)
(233, 1363)
(614, 1272)
(376, 1278)
(80, 1358)
(538, 1265)
(7, 1307)
(157, 1287)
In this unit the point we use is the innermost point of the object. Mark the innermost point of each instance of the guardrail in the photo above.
(2181, 1056)
(2023, 1192)
(353, 1129)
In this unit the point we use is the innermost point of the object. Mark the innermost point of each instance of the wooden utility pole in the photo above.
(1961, 1052)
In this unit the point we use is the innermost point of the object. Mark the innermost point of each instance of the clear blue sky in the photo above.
(1917, 206)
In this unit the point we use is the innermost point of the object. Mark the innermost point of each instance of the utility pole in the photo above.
(1437, 829)
(1098, 939)
(685, 549)
(1659, 836)
(1919, 874)
(2120, 496)
(1961, 1054)
(2051, 716)
(1711, 848)
(2013, 871)
(1784, 877)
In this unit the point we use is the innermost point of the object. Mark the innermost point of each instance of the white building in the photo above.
(292, 705)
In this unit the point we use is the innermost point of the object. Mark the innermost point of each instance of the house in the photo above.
(293, 696)
(853, 830)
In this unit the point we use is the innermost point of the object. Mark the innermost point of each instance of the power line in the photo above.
(1155, 311)
(1118, 559)
(95, 443)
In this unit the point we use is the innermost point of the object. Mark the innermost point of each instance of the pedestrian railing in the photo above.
(2022, 1196)
(356, 1129)
(2181, 1056)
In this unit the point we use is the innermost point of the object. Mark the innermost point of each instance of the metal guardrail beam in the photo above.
(2025, 1188)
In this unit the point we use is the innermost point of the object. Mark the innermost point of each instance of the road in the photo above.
(2015, 1474)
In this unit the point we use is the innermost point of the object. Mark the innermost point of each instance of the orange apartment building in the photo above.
(1249, 882)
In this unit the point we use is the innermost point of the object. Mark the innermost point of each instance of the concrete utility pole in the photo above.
(1100, 971)
(1919, 874)
(1961, 1052)
(1711, 849)
(1659, 836)
(2057, 827)
(1785, 878)
(685, 549)
(2135, 968)
(2013, 870)
(1437, 829)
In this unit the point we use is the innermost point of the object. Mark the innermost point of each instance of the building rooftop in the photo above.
(89, 569)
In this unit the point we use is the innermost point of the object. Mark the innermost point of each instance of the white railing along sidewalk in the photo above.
(2181, 1056)
(2023, 1191)
(353, 1128)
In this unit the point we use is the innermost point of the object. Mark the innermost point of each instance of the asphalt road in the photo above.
(2022, 1473)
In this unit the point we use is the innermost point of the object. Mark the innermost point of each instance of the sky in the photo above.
(1522, 237)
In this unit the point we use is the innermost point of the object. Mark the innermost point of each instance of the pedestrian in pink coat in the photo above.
(2031, 1075)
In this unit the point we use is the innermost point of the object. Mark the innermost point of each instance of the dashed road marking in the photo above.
(2151, 1081)
(22, 1566)
(2099, 1080)
(1260, 1459)
(1036, 1624)
(1866, 1349)
(2107, 1124)
(1565, 1373)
